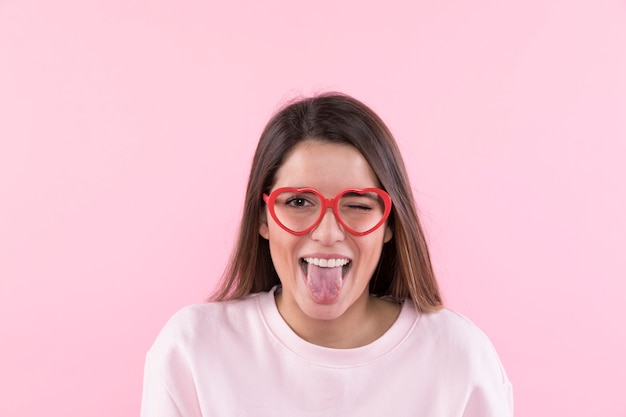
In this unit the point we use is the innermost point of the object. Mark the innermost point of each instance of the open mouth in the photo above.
(324, 277)
(344, 263)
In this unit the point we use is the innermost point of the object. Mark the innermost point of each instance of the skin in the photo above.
(355, 318)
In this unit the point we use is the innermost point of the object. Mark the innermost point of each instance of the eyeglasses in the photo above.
(300, 210)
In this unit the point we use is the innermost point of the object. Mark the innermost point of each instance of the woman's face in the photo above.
(323, 291)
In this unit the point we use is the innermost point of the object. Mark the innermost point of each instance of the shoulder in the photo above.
(203, 314)
(461, 342)
(465, 361)
(199, 325)
(451, 325)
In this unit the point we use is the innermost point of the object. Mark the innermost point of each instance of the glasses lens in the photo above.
(359, 212)
(297, 211)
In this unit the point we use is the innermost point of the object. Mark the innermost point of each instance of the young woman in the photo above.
(329, 306)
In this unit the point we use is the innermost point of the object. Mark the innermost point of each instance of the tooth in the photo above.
(327, 263)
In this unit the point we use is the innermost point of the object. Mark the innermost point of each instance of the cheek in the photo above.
(283, 248)
(371, 251)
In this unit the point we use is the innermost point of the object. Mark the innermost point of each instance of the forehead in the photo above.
(328, 167)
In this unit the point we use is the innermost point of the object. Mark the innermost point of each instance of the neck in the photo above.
(365, 321)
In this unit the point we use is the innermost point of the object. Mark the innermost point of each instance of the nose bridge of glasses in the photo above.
(328, 226)
(328, 206)
(329, 203)
(332, 205)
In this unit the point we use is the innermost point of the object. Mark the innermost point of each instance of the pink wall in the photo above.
(127, 129)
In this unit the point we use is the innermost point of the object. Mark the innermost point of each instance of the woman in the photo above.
(329, 305)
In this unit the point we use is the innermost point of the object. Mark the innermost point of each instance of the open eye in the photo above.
(298, 201)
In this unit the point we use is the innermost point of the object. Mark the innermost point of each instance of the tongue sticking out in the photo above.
(324, 283)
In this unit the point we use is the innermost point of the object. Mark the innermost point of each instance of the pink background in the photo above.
(127, 130)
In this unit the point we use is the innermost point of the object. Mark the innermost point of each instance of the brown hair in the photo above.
(404, 268)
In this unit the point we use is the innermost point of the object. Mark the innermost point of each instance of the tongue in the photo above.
(324, 283)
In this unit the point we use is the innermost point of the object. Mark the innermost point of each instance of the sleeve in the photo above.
(490, 392)
(169, 386)
(494, 401)
(156, 400)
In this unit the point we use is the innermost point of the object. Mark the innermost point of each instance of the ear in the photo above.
(388, 233)
(264, 230)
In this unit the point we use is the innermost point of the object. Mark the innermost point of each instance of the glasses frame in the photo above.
(327, 203)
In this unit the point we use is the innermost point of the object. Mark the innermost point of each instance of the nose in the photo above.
(329, 230)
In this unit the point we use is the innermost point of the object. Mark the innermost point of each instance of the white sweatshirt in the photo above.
(240, 358)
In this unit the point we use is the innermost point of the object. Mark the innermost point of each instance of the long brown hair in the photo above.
(404, 269)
